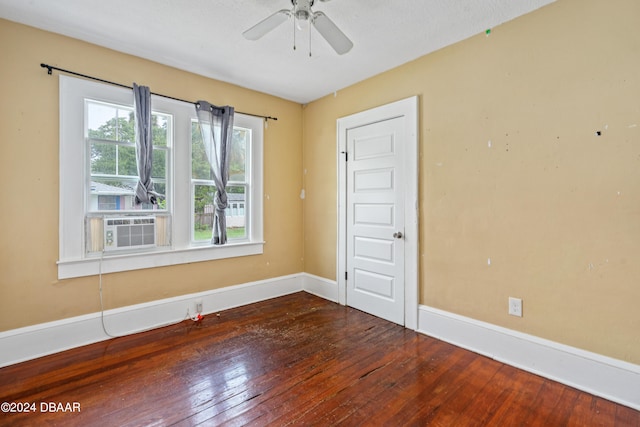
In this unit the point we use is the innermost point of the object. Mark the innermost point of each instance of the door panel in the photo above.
(375, 213)
(375, 284)
(378, 250)
(373, 146)
(373, 180)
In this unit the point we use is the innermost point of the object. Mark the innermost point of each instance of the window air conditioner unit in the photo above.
(129, 233)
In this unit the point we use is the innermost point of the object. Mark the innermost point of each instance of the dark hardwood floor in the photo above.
(294, 360)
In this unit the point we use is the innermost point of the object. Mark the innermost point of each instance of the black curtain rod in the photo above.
(50, 69)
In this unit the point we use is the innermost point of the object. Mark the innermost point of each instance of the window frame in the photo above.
(74, 261)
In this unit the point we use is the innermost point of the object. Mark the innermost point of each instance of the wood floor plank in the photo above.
(337, 402)
(544, 404)
(391, 393)
(480, 372)
(439, 384)
(626, 417)
(516, 403)
(587, 411)
(293, 360)
(426, 371)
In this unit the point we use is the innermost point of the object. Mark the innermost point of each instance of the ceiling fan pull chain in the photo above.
(294, 32)
(309, 38)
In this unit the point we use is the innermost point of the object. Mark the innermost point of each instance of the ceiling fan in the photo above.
(301, 12)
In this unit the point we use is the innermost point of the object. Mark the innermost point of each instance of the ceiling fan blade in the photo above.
(266, 25)
(332, 34)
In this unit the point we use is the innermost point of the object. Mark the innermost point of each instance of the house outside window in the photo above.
(98, 174)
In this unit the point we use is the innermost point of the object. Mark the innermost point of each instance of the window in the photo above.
(98, 175)
(110, 130)
(203, 187)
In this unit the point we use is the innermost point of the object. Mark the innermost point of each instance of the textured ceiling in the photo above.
(205, 36)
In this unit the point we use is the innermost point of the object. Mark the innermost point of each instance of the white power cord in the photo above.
(197, 318)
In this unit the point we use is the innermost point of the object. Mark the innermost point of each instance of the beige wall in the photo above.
(29, 290)
(555, 207)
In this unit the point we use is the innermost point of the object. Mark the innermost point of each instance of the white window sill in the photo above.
(136, 261)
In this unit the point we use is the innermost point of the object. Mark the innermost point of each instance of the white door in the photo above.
(377, 265)
(375, 219)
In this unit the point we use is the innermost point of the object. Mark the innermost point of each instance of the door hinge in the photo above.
(345, 275)
(346, 156)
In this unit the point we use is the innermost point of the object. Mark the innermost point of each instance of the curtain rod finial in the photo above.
(48, 67)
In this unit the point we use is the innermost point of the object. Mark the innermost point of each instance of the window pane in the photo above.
(159, 169)
(203, 211)
(238, 157)
(103, 158)
(126, 125)
(127, 165)
(161, 189)
(111, 122)
(111, 194)
(236, 220)
(200, 168)
(102, 121)
(159, 129)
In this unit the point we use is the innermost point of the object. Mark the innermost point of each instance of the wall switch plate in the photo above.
(515, 307)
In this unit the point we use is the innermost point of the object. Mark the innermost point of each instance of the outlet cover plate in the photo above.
(515, 307)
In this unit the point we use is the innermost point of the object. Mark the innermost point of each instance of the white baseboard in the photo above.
(599, 375)
(43, 339)
(319, 286)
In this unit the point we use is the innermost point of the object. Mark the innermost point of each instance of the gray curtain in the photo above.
(216, 126)
(144, 145)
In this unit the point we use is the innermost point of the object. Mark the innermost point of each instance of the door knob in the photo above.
(398, 235)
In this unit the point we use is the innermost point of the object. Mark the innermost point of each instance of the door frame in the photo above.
(407, 108)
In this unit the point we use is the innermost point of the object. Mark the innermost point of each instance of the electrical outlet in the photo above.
(515, 307)
(199, 307)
